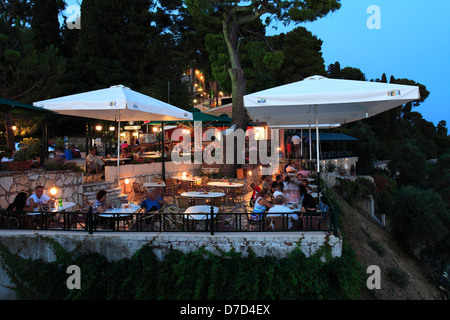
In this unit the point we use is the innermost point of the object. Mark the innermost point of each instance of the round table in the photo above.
(54, 208)
(154, 184)
(195, 194)
(125, 210)
(196, 210)
(184, 178)
(225, 184)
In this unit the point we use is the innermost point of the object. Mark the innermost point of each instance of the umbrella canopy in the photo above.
(331, 136)
(106, 104)
(318, 99)
(7, 105)
(115, 103)
(334, 101)
(198, 116)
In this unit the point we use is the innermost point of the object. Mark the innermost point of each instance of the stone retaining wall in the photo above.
(116, 246)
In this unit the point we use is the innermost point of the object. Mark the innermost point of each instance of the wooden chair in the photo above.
(227, 219)
(138, 190)
(93, 169)
(217, 202)
(174, 219)
(277, 223)
(171, 191)
(182, 202)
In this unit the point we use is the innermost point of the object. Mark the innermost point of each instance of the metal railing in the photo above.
(166, 222)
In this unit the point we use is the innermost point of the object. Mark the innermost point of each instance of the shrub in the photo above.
(419, 217)
(198, 275)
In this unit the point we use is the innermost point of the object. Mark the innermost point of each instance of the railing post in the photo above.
(212, 217)
(90, 222)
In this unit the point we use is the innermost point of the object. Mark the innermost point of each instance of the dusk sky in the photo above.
(411, 42)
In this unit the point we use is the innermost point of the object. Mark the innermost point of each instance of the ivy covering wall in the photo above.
(198, 275)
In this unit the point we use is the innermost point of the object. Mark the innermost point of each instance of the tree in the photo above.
(235, 15)
(25, 73)
(409, 162)
(421, 219)
(45, 24)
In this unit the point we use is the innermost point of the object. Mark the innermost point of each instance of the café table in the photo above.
(154, 184)
(54, 208)
(124, 213)
(187, 178)
(200, 215)
(194, 212)
(225, 184)
(115, 159)
(52, 217)
(197, 194)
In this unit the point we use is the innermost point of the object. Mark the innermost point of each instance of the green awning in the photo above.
(7, 105)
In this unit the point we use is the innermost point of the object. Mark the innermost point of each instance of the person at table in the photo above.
(101, 204)
(60, 155)
(308, 203)
(152, 201)
(124, 145)
(290, 167)
(277, 184)
(261, 204)
(266, 182)
(38, 198)
(126, 154)
(280, 208)
(305, 182)
(20, 204)
(93, 158)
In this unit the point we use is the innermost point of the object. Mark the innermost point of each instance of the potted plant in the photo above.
(23, 159)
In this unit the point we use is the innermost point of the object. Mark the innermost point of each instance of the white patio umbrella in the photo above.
(116, 103)
(322, 100)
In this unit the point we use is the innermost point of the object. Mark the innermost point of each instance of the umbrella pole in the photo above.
(317, 139)
(162, 153)
(310, 151)
(118, 152)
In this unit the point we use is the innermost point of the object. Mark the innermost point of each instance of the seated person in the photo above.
(290, 167)
(266, 182)
(152, 201)
(93, 158)
(126, 153)
(60, 155)
(20, 204)
(139, 152)
(100, 203)
(277, 184)
(7, 155)
(308, 203)
(261, 204)
(38, 198)
(280, 208)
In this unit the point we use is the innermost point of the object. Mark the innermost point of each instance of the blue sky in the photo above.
(412, 43)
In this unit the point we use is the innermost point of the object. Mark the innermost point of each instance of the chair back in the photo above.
(182, 202)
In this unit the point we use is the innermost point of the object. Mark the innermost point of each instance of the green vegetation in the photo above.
(199, 275)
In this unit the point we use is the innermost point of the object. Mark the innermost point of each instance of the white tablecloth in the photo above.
(55, 208)
(154, 184)
(225, 184)
(195, 194)
(125, 210)
(200, 209)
